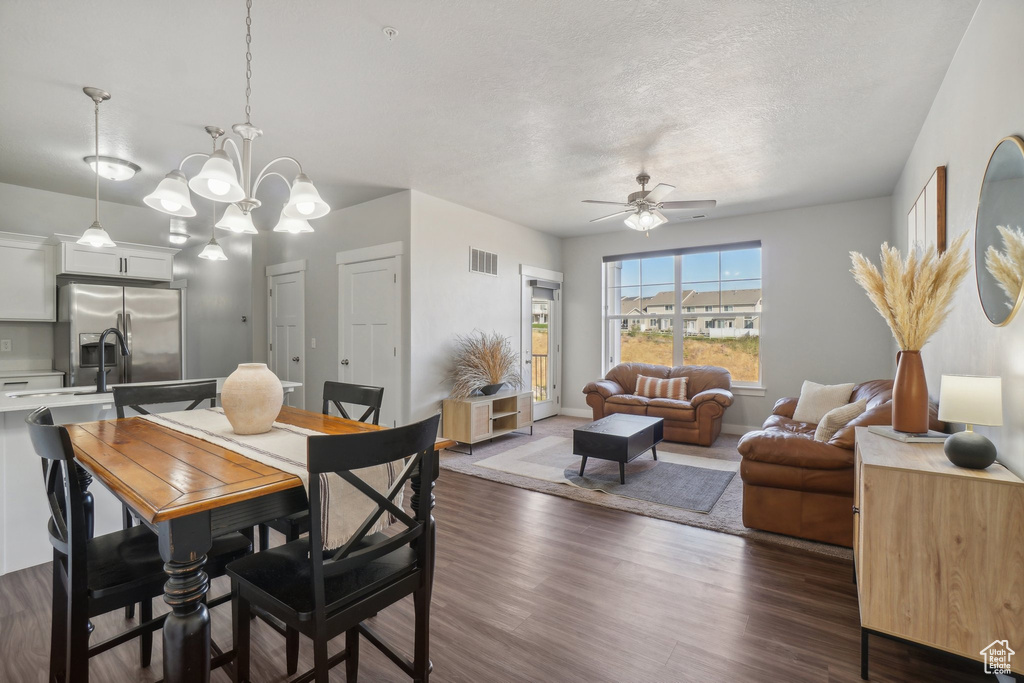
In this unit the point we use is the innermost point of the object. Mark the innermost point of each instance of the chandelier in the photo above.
(218, 179)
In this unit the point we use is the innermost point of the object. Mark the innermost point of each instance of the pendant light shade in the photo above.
(292, 225)
(304, 202)
(217, 180)
(212, 251)
(171, 196)
(96, 236)
(236, 220)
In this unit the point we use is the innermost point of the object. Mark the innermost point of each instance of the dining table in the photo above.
(188, 491)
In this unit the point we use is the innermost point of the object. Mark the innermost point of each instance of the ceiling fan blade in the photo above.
(596, 201)
(660, 191)
(691, 204)
(613, 215)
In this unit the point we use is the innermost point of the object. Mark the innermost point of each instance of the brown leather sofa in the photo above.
(797, 486)
(698, 420)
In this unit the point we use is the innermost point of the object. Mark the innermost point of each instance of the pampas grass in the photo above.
(481, 359)
(1007, 266)
(913, 295)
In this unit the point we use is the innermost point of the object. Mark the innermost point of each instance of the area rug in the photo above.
(678, 486)
(539, 463)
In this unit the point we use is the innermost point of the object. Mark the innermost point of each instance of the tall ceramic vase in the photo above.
(252, 397)
(910, 394)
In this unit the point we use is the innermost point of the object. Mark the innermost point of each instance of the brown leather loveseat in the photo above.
(697, 420)
(797, 486)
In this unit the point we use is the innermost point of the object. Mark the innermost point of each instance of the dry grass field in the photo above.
(739, 356)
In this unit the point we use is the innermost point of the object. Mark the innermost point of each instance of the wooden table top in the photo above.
(163, 474)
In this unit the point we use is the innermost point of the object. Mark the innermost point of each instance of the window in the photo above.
(651, 296)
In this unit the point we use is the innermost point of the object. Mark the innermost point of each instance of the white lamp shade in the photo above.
(292, 225)
(633, 222)
(213, 252)
(217, 179)
(96, 236)
(971, 400)
(171, 196)
(236, 220)
(304, 202)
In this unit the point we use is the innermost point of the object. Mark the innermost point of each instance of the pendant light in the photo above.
(212, 251)
(230, 180)
(179, 231)
(96, 236)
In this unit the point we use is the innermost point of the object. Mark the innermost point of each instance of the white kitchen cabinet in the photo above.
(130, 261)
(31, 382)
(28, 282)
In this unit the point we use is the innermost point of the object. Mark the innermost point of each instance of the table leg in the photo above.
(184, 543)
(622, 473)
(583, 465)
(654, 451)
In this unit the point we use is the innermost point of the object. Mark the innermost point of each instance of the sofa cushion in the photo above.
(702, 377)
(671, 409)
(793, 448)
(624, 374)
(817, 399)
(654, 387)
(628, 400)
(788, 424)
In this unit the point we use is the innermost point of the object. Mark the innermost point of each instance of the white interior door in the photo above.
(542, 346)
(369, 303)
(287, 319)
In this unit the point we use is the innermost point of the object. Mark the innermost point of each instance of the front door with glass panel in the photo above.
(544, 346)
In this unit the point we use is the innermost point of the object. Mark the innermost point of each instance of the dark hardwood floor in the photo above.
(531, 587)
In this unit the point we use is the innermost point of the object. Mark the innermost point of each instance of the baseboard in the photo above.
(576, 412)
(738, 430)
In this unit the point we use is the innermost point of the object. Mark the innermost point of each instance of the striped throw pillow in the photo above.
(837, 418)
(652, 387)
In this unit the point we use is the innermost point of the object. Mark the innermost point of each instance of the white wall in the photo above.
(379, 221)
(446, 299)
(980, 102)
(817, 324)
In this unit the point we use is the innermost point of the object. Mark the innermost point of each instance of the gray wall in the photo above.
(980, 102)
(817, 324)
(447, 299)
(375, 222)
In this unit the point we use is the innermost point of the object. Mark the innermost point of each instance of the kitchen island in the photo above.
(23, 508)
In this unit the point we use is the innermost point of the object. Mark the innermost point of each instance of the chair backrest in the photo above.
(67, 526)
(339, 393)
(340, 454)
(135, 397)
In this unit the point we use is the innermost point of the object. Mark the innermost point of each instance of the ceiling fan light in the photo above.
(304, 202)
(112, 168)
(96, 236)
(646, 219)
(236, 220)
(213, 251)
(292, 225)
(634, 223)
(217, 179)
(171, 196)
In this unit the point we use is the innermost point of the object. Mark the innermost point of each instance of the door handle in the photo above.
(344, 361)
(128, 343)
(295, 359)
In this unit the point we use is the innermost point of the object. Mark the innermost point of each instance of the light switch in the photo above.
(5, 345)
(312, 343)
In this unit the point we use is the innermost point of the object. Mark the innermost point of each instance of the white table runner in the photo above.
(284, 447)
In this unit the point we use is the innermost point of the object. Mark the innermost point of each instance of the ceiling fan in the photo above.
(644, 207)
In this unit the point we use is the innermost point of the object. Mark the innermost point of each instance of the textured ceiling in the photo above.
(519, 109)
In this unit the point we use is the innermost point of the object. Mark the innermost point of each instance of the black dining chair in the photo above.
(295, 525)
(135, 397)
(324, 593)
(94, 576)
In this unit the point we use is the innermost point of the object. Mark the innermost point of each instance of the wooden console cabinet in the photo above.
(478, 418)
(938, 549)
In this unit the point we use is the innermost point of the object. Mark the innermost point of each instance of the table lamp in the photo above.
(974, 401)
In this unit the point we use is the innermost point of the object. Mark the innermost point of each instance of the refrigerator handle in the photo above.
(128, 341)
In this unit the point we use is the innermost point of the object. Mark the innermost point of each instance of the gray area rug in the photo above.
(539, 462)
(666, 483)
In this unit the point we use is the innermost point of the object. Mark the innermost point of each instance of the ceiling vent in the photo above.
(481, 261)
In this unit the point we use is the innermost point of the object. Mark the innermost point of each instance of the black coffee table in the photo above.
(619, 438)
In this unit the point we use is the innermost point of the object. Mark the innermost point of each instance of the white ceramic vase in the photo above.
(252, 397)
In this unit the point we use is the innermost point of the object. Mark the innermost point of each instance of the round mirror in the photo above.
(999, 233)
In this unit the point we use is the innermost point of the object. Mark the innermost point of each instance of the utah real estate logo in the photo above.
(997, 657)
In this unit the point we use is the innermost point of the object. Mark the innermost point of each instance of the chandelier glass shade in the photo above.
(229, 178)
(292, 225)
(213, 251)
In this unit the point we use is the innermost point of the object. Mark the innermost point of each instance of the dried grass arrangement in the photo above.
(913, 295)
(483, 359)
(1007, 266)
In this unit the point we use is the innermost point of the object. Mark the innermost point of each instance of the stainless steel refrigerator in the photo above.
(150, 320)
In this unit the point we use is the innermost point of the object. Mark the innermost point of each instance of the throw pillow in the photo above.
(837, 418)
(817, 399)
(652, 387)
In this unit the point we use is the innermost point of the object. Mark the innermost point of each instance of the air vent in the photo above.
(481, 261)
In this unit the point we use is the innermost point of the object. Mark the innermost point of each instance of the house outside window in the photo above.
(687, 307)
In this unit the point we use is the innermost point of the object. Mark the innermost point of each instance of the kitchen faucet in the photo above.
(101, 378)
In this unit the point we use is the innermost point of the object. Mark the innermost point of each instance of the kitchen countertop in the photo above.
(68, 397)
